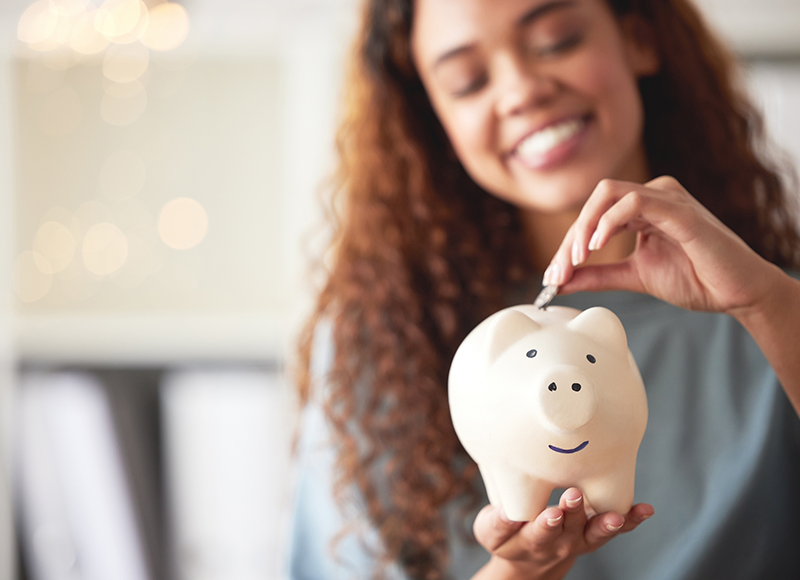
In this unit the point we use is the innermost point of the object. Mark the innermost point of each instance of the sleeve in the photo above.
(316, 519)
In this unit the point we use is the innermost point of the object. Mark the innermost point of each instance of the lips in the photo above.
(575, 450)
(552, 143)
(542, 141)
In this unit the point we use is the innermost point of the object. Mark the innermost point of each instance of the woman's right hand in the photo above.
(547, 547)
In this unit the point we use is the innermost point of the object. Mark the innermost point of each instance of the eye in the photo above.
(591, 358)
(551, 387)
(559, 47)
(576, 387)
(473, 87)
(531, 353)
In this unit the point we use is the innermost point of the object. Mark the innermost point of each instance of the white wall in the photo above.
(776, 88)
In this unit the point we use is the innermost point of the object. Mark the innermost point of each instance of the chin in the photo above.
(566, 197)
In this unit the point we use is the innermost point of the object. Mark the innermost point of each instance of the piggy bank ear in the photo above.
(506, 329)
(603, 327)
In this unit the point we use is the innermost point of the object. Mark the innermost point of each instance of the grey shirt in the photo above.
(720, 463)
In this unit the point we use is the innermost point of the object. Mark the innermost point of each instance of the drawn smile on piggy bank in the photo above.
(575, 450)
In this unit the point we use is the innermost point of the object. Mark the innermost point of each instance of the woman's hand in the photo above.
(545, 548)
(684, 254)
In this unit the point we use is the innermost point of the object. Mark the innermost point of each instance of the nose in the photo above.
(567, 398)
(521, 87)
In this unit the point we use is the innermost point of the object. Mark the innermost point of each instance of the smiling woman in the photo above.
(601, 145)
(539, 103)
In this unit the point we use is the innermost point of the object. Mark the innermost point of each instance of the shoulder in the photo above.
(328, 539)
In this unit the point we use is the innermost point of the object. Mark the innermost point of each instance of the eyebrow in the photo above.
(530, 16)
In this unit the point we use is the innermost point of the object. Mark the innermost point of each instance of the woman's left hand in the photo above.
(684, 255)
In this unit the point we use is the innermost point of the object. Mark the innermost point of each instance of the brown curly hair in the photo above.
(421, 254)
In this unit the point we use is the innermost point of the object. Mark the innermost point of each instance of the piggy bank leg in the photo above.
(611, 492)
(523, 497)
(491, 486)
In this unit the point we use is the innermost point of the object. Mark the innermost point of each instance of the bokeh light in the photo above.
(183, 223)
(105, 249)
(116, 18)
(122, 176)
(145, 254)
(31, 278)
(68, 7)
(61, 113)
(168, 27)
(138, 31)
(125, 63)
(85, 38)
(56, 243)
(38, 23)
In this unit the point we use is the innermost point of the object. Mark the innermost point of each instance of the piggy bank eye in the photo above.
(531, 353)
(551, 387)
(591, 358)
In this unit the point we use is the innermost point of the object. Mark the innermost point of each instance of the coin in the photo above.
(546, 296)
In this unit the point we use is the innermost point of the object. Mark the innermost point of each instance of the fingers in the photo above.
(536, 540)
(492, 528)
(571, 503)
(603, 527)
(574, 248)
(619, 276)
(640, 210)
(659, 205)
(607, 193)
(639, 513)
(558, 534)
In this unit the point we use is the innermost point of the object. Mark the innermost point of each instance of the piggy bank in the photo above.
(545, 399)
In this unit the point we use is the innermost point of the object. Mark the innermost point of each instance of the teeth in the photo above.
(543, 141)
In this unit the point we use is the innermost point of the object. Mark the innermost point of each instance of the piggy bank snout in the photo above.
(567, 398)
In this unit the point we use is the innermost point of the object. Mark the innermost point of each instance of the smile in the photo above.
(542, 142)
(575, 450)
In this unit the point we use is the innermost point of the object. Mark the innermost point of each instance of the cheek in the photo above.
(469, 131)
(473, 136)
(615, 92)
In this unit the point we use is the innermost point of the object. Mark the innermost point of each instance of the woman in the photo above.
(488, 145)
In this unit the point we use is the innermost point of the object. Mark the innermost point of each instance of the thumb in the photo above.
(617, 276)
(492, 527)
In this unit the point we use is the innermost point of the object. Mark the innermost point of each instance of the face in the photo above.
(538, 97)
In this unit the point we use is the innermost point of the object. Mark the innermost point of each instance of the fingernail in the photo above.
(555, 274)
(593, 243)
(615, 528)
(548, 275)
(501, 511)
(574, 502)
(553, 522)
(575, 253)
(646, 517)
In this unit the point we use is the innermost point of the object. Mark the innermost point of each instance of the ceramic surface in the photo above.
(545, 399)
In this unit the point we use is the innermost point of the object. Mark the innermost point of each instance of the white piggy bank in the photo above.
(544, 399)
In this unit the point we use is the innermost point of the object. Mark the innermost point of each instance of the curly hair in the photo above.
(421, 254)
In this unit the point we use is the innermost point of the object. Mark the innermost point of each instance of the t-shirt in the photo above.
(719, 462)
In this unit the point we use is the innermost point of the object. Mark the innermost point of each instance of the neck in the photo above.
(545, 231)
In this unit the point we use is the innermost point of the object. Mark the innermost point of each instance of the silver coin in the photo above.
(546, 296)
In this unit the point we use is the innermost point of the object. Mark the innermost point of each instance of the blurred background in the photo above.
(160, 169)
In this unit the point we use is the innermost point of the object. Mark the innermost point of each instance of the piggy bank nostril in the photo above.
(576, 387)
(552, 387)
